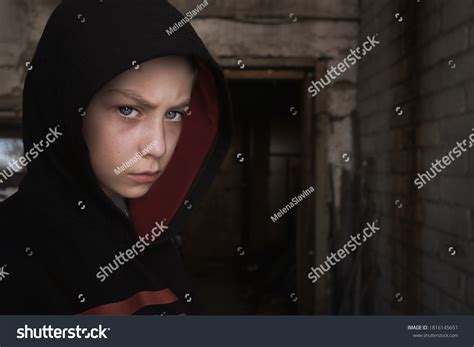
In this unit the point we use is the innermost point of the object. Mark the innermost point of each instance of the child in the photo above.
(141, 119)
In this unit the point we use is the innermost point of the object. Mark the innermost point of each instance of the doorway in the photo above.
(241, 261)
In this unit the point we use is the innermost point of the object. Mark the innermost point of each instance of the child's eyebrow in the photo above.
(183, 104)
(130, 94)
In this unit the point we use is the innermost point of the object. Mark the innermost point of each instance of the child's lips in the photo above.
(144, 177)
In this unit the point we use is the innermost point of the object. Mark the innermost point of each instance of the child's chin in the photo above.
(135, 192)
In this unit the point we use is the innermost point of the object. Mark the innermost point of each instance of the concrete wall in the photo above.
(411, 69)
(21, 25)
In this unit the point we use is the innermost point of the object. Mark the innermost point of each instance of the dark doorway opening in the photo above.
(241, 261)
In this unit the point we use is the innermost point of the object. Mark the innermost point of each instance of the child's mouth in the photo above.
(144, 177)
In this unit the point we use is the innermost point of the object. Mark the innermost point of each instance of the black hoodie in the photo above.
(60, 230)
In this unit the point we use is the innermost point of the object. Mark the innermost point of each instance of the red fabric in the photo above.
(133, 303)
(197, 135)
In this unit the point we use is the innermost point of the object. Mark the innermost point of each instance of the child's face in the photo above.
(139, 111)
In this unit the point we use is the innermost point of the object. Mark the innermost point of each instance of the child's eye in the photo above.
(174, 116)
(127, 111)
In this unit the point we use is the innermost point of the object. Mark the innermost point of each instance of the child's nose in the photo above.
(154, 141)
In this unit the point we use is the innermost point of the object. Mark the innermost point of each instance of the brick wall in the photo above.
(412, 69)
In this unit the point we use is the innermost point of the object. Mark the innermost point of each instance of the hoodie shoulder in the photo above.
(25, 280)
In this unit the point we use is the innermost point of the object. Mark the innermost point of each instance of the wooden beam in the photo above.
(262, 74)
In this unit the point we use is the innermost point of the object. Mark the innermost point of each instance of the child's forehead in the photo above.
(171, 61)
(152, 71)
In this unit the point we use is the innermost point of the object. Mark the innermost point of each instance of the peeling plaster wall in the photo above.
(21, 25)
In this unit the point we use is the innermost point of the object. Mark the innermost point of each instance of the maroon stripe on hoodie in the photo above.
(134, 303)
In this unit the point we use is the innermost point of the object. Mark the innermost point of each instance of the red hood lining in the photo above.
(199, 131)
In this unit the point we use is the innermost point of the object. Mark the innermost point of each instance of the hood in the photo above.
(86, 44)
